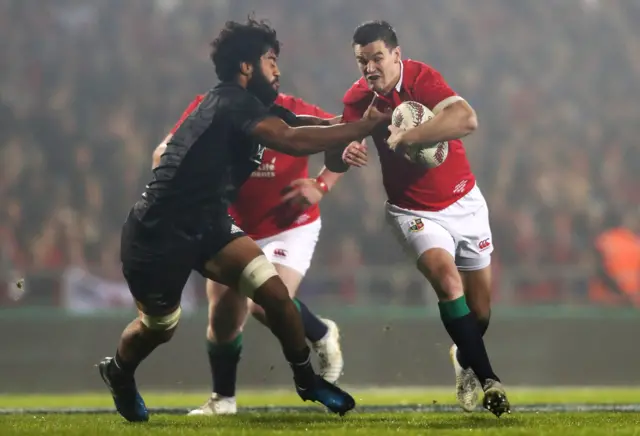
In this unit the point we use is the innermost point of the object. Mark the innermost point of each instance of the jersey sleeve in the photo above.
(284, 114)
(301, 107)
(351, 113)
(246, 112)
(192, 106)
(319, 112)
(433, 91)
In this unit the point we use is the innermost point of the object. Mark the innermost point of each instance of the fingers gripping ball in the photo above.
(410, 114)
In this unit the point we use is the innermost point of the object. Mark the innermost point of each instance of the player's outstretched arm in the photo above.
(455, 121)
(157, 153)
(303, 141)
(310, 120)
(295, 120)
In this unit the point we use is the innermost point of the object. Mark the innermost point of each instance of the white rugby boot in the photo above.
(467, 384)
(216, 405)
(330, 353)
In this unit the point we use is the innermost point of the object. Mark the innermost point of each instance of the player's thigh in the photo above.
(431, 246)
(473, 234)
(292, 252)
(231, 258)
(156, 266)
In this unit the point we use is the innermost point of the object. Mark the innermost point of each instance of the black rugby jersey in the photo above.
(207, 160)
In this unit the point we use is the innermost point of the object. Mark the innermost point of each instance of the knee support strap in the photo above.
(163, 322)
(255, 274)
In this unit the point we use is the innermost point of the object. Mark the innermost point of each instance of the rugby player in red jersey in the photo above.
(439, 215)
(278, 208)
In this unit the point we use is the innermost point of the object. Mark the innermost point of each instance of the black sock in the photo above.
(223, 361)
(300, 362)
(483, 325)
(120, 368)
(463, 328)
(314, 328)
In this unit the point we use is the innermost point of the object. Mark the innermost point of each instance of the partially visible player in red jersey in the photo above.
(439, 215)
(278, 208)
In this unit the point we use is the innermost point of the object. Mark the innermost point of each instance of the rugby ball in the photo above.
(410, 114)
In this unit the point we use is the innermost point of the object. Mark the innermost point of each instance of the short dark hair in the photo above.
(372, 31)
(238, 43)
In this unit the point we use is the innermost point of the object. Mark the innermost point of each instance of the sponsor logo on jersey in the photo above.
(459, 188)
(280, 252)
(302, 218)
(265, 170)
(257, 157)
(484, 244)
(416, 225)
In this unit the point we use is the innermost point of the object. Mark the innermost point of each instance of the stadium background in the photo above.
(88, 88)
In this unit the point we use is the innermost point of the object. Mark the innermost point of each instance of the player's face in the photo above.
(269, 65)
(379, 65)
(265, 79)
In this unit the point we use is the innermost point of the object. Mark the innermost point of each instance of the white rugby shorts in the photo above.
(462, 229)
(293, 248)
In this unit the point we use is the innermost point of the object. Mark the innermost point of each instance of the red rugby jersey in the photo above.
(408, 185)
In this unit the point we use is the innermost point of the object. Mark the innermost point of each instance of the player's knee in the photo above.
(477, 288)
(255, 309)
(161, 326)
(438, 266)
(255, 275)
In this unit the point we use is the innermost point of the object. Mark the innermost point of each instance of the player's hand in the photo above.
(355, 154)
(395, 140)
(373, 114)
(303, 193)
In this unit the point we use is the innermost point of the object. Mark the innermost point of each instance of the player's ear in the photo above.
(397, 54)
(246, 69)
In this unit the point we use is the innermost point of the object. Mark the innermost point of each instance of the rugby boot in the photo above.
(216, 405)
(327, 394)
(495, 398)
(467, 384)
(126, 397)
(329, 353)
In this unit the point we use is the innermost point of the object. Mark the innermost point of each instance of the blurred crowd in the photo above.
(89, 87)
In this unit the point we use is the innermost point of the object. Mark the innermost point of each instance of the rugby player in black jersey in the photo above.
(181, 223)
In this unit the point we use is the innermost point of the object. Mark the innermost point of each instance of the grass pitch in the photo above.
(25, 419)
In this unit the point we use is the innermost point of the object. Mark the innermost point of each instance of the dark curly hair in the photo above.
(238, 43)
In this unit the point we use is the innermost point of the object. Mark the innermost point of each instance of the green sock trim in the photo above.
(297, 303)
(454, 309)
(226, 349)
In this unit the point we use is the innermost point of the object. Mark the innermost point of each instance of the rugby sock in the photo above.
(300, 362)
(483, 324)
(223, 361)
(120, 368)
(463, 328)
(314, 328)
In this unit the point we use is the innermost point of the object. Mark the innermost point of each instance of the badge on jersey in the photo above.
(416, 225)
(257, 157)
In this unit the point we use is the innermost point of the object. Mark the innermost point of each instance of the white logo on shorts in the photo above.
(235, 229)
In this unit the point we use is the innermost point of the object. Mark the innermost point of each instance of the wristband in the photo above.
(322, 184)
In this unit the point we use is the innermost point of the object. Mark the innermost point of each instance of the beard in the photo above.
(264, 90)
